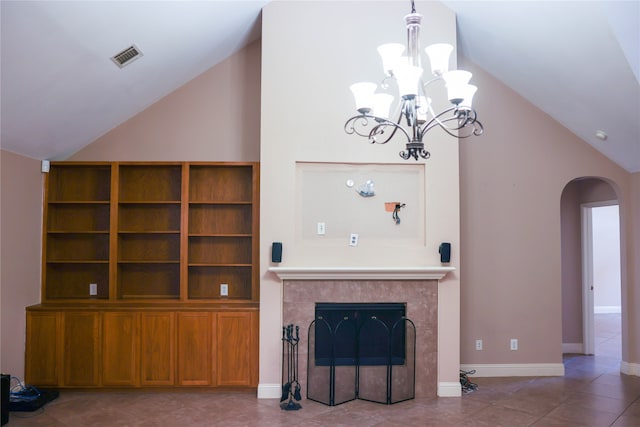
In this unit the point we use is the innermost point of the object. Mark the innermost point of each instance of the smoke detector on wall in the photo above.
(127, 56)
(601, 135)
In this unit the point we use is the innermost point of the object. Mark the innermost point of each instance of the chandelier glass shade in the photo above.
(414, 114)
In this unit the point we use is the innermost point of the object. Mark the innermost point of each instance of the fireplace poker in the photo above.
(285, 386)
(296, 394)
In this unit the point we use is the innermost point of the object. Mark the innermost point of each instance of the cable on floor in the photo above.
(465, 382)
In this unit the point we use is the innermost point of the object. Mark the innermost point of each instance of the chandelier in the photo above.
(414, 115)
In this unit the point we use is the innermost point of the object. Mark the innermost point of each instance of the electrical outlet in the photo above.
(224, 290)
(353, 239)
(93, 289)
(514, 343)
(478, 345)
(321, 229)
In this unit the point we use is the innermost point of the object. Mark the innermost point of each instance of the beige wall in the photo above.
(215, 116)
(20, 247)
(511, 184)
(571, 264)
(312, 52)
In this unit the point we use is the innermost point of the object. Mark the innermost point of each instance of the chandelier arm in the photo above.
(436, 117)
(429, 82)
(470, 119)
(478, 128)
(357, 124)
(382, 123)
(436, 121)
(458, 115)
(424, 92)
(379, 129)
(384, 84)
(352, 124)
(442, 126)
(470, 116)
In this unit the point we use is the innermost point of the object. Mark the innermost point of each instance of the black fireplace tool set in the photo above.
(290, 388)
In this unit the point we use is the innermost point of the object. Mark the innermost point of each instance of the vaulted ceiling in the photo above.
(578, 61)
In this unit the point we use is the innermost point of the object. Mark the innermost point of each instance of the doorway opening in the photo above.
(589, 209)
(601, 279)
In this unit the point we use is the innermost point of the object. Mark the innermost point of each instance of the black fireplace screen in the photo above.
(361, 351)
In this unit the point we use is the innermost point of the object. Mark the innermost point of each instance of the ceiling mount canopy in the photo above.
(414, 114)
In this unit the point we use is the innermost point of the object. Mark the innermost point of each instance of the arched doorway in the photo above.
(579, 323)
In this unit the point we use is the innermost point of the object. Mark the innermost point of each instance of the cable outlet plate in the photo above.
(224, 290)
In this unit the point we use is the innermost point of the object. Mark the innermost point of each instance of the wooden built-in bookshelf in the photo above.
(154, 240)
(151, 231)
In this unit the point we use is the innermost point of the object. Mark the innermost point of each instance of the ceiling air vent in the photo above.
(127, 56)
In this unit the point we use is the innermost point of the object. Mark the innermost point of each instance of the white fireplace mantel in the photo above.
(361, 273)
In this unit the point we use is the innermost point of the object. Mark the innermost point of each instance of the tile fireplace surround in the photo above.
(417, 287)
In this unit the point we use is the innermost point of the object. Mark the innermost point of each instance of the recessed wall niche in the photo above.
(329, 193)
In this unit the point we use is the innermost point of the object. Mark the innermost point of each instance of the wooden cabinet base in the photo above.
(142, 347)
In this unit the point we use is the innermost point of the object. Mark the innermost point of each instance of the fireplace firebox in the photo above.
(361, 351)
(352, 334)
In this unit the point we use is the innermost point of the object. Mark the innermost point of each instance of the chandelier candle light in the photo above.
(373, 120)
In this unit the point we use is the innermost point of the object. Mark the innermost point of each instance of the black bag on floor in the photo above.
(29, 398)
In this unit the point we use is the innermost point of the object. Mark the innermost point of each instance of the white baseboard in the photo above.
(449, 389)
(607, 309)
(516, 370)
(269, 391)
(572, 348)
(630, 368)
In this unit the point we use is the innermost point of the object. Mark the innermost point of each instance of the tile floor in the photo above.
(592, 393)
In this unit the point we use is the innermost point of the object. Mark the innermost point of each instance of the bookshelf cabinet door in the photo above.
(43, 348)
(157, 348)
(81, 349)
(237, 348)
(194, 348)
(120, 348)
